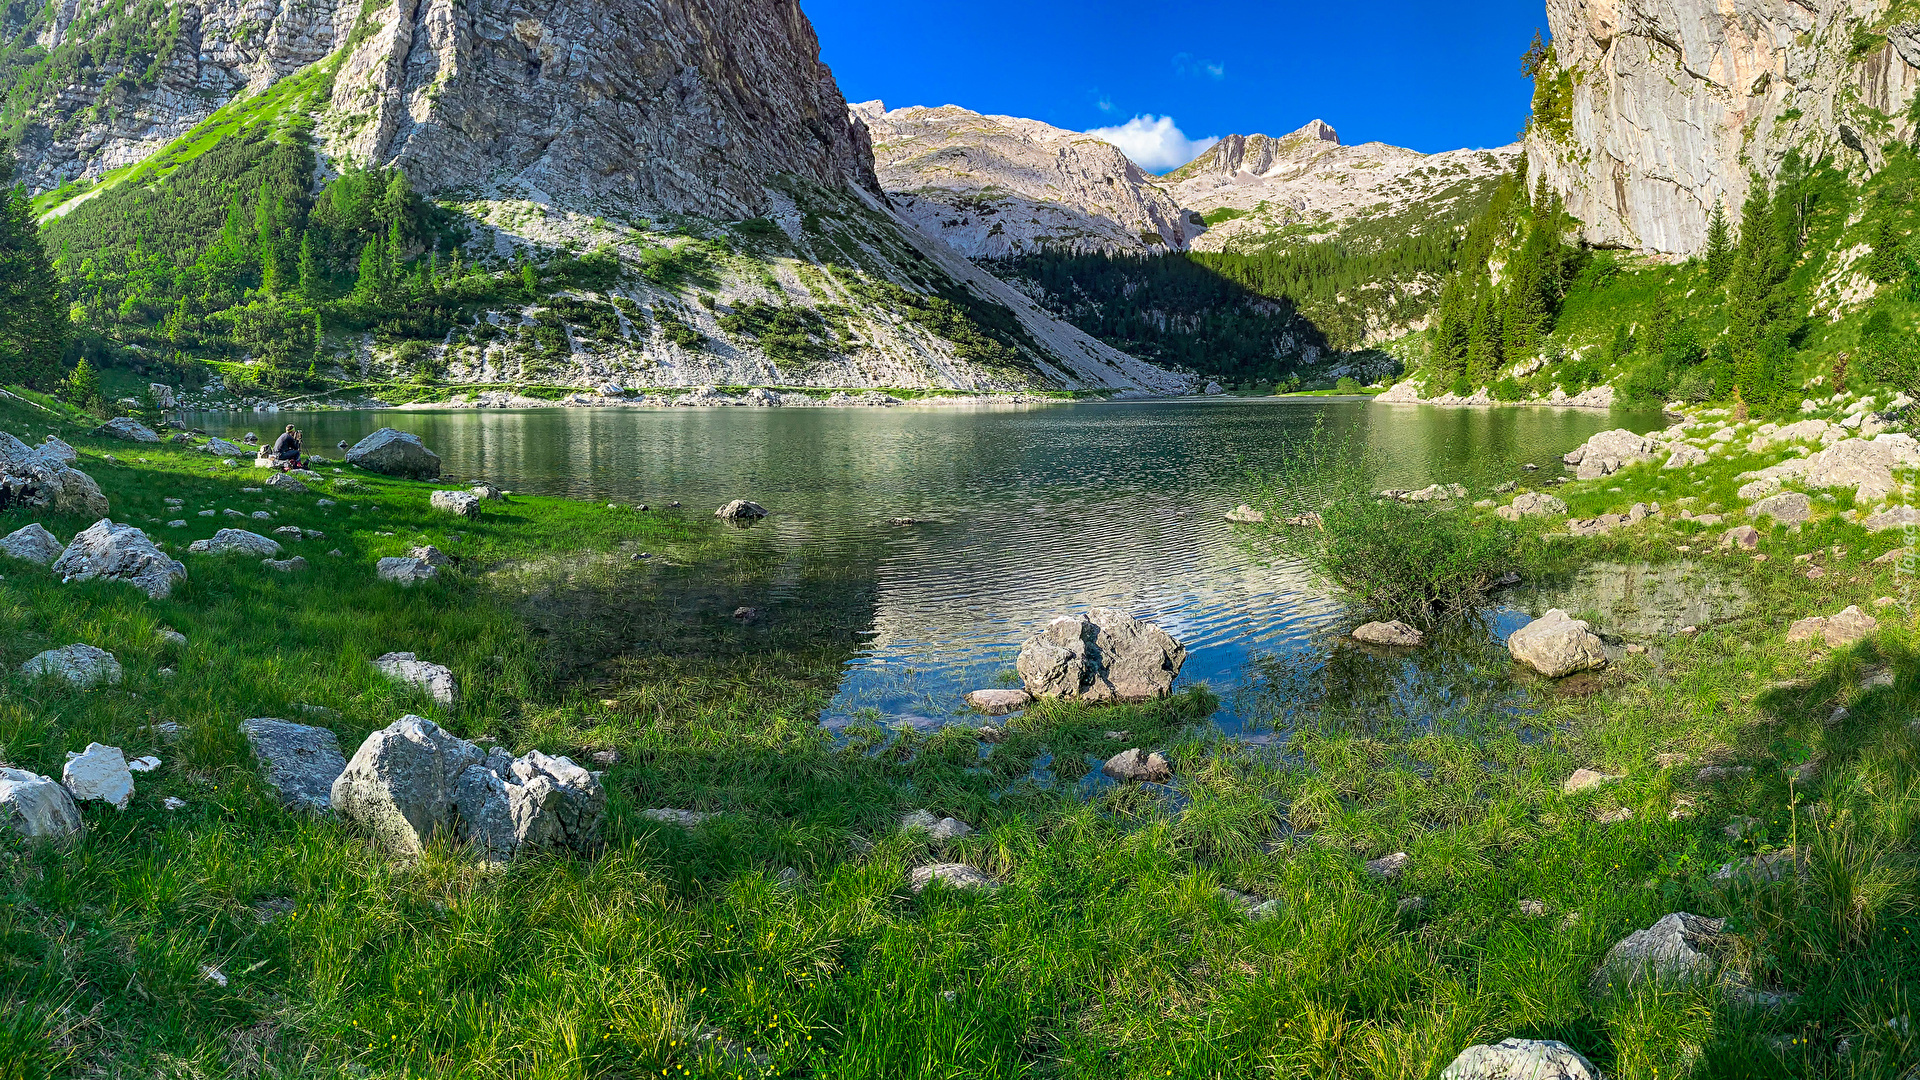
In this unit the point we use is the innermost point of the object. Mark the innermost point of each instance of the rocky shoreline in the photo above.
(1406, 393)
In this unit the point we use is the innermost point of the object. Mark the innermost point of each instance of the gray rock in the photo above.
(1583, 779)
(437, 681)
(70, 491)
(162, 396)
(120, 553)
(1532, 504)
(1897, 517)
(1521, 1059)
(36, 807)
(395, 453)
(80, 665)
(127, 428)
(686, 819)
(404, 569)
(1788, 508)
(299, 762)
(952, 875)
(740, 510)
(487, 491)
(285, 566)
(412, 780)
(1745, 537)
(999, 702)
(1678, 949)
(937, 828)
(32, 544)
(1556, 645)
(429, 554)
(1685, 455)
(1105, 655)
(461, 503)
(1389, 633)
(1138, 765)
(223, 448)
(1849, 627)
(1389, 866)
(236, 542)
(285, 484)
(99, 773)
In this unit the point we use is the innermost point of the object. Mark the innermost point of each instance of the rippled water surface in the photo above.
(1032, 511)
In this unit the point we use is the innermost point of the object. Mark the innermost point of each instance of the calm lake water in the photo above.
(1034, 511)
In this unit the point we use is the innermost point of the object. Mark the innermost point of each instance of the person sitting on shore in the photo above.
(286, 450)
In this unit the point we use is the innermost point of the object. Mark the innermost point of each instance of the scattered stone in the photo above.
(437, 681)
(236, 542)
(1410, 903)
(37, 808)
(223, 448)
(951, 875)
(1103, 656)
(285, 566)
(462, 503)
(261, 515)
(1389, 866)
(1849, 627)
(79, 665)
(1745, 537)
(991, 733)
(938, 828)
(1532, 504)
(1714, 774)
(395, 453)
(1389, 633)
(1533, 909)
(1789, 508)
(1584, 779)
(1669, 761)
(1246, 515)
(430, 555)
(98, 772)
(746, 614)
(1521, 1059)
(1118, 736)
(1138, 765)
(1677, 949)
(146, 763)
(1556, 645)
(999, 702)
(412, 780)
(171, 803)
(127, 429)
(404, 569)
(213, 975)
(686, 819)
(1614, 816)
(283, 483)
(1685, 456)
(605, 757)
(487, 491)
(1898, 517)
(32, 544)
(299, 762)
(1766, 867)
(120, 553)
(741, 510)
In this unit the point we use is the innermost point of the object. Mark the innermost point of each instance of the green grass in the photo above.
(783, 927)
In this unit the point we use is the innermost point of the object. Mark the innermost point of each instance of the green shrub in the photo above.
(1406, 561)
(1508, 389)
(1462, 386)
(1347, 385)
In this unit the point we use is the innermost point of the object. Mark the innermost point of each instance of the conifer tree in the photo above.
(33, 318)
(1720, 249)
(308, 271)
(1884, 265)
(371, 282)
(1758, 327)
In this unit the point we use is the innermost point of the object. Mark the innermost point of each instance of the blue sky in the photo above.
(1166, 77)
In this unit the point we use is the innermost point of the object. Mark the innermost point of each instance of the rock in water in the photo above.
(1104, 655)
(80, 665)
(36, 807)
(236, 542)
(404, 569)
(1246, 515)
(1138, 765)
(1521, 1059)
(412, 780)
(741, 510)
(999, 702)
(395, 453)
(436, 680)
(120, 553)
(300, 762)
(127, 428)
(99, 772)
(462, 503)
(32, 544)
(1677, 949)
(1389, 633)
(1556, 645)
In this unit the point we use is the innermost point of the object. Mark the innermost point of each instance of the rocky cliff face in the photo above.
(1650, 111)
(998, 186)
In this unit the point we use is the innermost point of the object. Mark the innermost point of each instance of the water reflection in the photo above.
(1032, 511)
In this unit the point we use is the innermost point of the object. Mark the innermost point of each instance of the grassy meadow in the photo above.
(778, 938)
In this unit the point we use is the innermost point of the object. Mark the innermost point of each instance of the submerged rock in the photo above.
(120, 553)
(1521, 1059)
(1389, 633)
(1246, 515)
(300, 762)
(1138, 765)
(999, 702)
(395, 453)
(1556, 645)
(1105, 655)
(741, 510)
(36, 807)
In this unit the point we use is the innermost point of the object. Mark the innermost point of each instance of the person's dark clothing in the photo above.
(286, 447)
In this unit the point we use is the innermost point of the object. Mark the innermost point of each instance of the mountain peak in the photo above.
(1258, 154)
(1315, 131)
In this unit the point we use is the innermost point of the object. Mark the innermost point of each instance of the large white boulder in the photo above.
(405, 569)
(1556, 645)
(120, 553)
(413, 780)
(1104, 655)
(395, 453)
(32, 544)
(437, 680)
(462, 503)
(99, 772)
(236, 542)
(1680, 948)
(126, 427)
(80, 665)
(36, 807)
(1521, 1059)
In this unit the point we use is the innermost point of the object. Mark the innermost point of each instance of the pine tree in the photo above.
(396, 253)
(33, 318)
(308, 271)
(82, 387)
(1758, 326)
(530, 280)
(371, 282)
(1655, 339)
(1884, 265)
(1720, 250)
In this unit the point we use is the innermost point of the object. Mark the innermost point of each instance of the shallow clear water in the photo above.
(1033, 511)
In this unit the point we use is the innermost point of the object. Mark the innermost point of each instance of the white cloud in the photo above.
(1154, 143)
(1185, 64)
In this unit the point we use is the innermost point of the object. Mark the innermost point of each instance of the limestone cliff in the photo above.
(1650, 111)
(996, 186)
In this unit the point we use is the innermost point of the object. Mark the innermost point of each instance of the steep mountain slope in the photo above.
(1648, 113)
(998, 186)
(700, 148)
